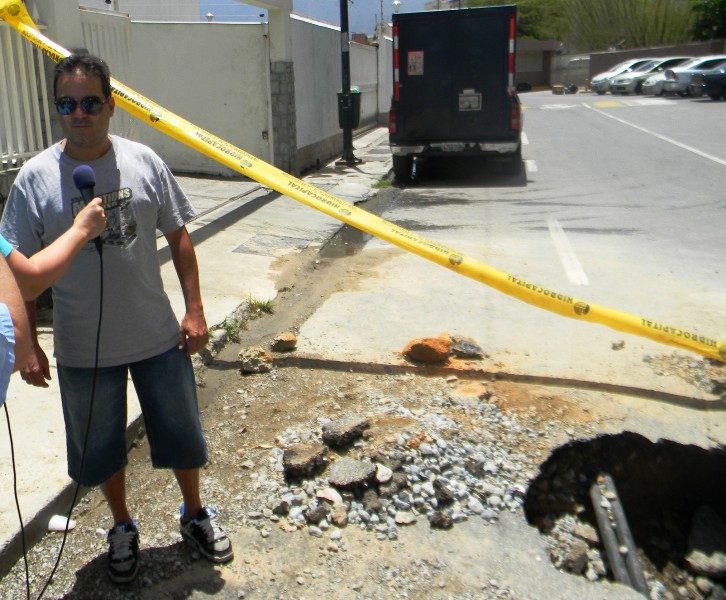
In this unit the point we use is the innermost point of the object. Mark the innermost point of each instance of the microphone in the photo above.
(85, 180)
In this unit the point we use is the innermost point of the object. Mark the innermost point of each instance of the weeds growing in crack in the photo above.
(259, 307)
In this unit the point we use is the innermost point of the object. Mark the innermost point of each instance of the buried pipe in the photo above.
(617, 563)
(616, 535)
(622, 530)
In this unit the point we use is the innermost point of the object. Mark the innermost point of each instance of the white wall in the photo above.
(316, 51)
(148, 10)
(317, 69)
(212, 74)
(385, 78)
(364, 76)
(217, 76)
(570, 69)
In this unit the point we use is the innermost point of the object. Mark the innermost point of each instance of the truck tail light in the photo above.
(512, 52)
(515, 122)
(392, 120)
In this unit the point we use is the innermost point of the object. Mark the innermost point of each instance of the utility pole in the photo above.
(345, 101)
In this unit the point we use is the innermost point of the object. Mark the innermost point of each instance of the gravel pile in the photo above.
(444, 472)
(705, 374)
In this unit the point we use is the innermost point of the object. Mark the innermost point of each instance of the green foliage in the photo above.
(601, 24)
(591, 25)
(384, 182)
(710, 19)
(537, 19)
(232, 330)
(258, 306)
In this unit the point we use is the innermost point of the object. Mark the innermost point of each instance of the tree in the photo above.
(601, 24)
(710, 19)
(538, 19)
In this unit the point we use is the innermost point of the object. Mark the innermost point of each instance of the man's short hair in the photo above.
(87, 64)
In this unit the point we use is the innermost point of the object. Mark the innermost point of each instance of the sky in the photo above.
(362, 14)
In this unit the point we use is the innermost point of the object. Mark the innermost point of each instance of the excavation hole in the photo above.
(668, 490)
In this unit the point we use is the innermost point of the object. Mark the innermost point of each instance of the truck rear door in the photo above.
(455, 74)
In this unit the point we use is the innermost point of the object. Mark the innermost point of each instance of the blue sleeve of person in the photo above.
(5, 246)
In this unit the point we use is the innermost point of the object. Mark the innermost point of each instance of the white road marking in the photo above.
(572, 266)
(530, 165)
(649, 102)
(525, 139)
(660, 137)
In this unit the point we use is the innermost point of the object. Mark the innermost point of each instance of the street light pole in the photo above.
(346, 101)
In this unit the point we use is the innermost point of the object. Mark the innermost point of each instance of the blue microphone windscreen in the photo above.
(84, 177)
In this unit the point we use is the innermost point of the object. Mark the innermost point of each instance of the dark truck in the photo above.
(453, 87)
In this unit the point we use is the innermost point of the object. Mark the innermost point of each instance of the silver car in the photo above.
(676, 81)
(654, 84)
(600, 84)
(632, 83)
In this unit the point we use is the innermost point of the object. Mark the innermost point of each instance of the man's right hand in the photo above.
(36, 370)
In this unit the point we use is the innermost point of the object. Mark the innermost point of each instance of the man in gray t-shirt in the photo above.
(111, 315)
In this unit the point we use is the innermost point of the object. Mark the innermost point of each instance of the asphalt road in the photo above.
(619, 204)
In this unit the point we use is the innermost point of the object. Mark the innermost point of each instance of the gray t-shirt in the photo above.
(140, 195)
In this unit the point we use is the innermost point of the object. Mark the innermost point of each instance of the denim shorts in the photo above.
(167, 394)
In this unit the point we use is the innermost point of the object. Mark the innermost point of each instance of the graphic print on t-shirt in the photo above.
(120, 222)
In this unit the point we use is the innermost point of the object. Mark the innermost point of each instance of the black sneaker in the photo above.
(123, 553)
(203, 533)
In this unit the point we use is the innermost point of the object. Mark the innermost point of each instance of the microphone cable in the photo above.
(83, 452)
(17, 502)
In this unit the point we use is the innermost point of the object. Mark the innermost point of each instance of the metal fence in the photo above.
(24, 118)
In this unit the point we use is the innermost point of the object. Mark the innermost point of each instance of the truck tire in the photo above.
(402, 167)
(514, 165)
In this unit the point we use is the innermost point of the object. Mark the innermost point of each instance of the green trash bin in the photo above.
(353, 110)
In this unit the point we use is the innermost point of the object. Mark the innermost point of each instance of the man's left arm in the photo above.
(193, 329)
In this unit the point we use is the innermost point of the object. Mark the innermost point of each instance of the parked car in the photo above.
(600, 84)
(712, 83)
(677, 80)
(654, 84)
(695, 88)
(632, 83)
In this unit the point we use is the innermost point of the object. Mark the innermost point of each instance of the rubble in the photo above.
(707, 544)
(344, 431)
(346, 474)
(440, 350)
(428, 350)
(448, 475)
(255, 360)
(302, 460)
(284, 342)
(465, 347)
(437, 454)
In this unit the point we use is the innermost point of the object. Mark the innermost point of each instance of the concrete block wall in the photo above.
(282, 100)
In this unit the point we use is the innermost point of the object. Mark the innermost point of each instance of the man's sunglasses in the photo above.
(91, 105)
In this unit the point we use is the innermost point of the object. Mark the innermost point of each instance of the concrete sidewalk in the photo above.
(241, 230)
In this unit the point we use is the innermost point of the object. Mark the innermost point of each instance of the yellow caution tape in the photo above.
(14, 12)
